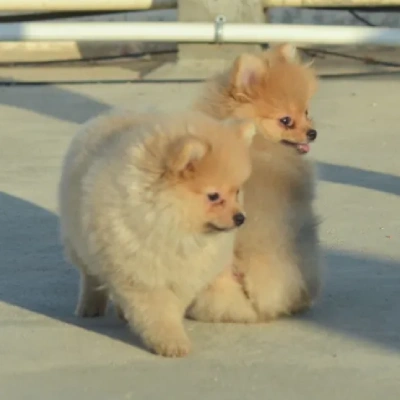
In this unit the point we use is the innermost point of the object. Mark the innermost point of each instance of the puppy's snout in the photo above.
(312, 135)
(239, 219)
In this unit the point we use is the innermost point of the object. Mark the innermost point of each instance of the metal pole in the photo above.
(199, 33)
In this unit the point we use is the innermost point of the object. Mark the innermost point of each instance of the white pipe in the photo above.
(198, 33)
(84, 5)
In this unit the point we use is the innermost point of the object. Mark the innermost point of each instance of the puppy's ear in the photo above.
(312, 86)
(247, 73)
(287, 52)
(185, 152)
(310, 63)
(247, 130)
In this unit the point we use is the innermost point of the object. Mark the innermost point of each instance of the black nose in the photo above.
(312, 134)
(238, 219)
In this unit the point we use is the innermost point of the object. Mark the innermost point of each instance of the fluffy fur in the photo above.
(277, 258)
(148, 207)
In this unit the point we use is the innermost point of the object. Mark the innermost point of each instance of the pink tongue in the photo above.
(303, 148)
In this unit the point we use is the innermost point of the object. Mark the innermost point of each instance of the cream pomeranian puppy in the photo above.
(277, 258)
(148, 211)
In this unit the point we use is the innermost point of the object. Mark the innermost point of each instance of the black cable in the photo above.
(309, 51)
(365, 22)
(360, 18)
(357, 58)
(49, 16)
(363, 9)
(98, 82)
(85, 60)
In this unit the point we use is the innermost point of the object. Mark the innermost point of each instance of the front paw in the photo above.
(234, 308)
(223, 301)
(169, 344)
(268, 299)
(302, 305)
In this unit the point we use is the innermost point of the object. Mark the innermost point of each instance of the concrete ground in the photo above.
(348, 347)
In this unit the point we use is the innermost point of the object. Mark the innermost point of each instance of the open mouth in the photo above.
(210, 227)
(302, 148)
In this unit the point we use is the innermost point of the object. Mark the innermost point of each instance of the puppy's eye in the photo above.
(306, 113)
(286, 121)
(213, 197)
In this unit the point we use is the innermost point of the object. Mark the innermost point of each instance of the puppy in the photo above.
(149, 208)
(277, 258)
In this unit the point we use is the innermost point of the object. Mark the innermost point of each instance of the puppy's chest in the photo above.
(199, 269)
(191, 262)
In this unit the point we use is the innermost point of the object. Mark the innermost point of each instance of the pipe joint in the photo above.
(219, 29)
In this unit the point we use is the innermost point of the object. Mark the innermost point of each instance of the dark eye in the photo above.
(213, 196)
(286, 121)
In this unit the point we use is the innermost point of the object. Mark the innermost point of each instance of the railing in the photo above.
(221, 31)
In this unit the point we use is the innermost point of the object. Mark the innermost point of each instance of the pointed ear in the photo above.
(247, 72)
(287, 52)
(313, 86)
(184, 152)
(247, 130)
(309, 63)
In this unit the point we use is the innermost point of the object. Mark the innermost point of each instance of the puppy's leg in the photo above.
(223, 301)
(156, 315)
(273, 284)
(310, 263)
(303, 304)
(93, 298)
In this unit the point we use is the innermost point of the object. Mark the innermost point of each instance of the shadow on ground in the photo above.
(34, 273)
(361, 298)
(56, 102)
(353, 176)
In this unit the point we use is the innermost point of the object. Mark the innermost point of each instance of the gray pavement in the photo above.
(348, 347)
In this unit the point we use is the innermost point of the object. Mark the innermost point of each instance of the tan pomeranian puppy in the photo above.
(148, 211)
(277, 259)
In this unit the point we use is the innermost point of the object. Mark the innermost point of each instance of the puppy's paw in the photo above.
(217, 307)
(302, 305)
(270, 302)
(169, 345)
(223, 301)
(93, 299)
